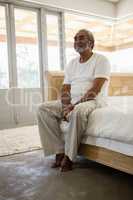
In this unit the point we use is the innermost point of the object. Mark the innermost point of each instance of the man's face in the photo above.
(81, 42)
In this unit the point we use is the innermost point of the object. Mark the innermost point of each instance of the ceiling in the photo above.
(113, 1)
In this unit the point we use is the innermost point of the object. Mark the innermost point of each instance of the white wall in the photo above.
(98, 7)
(124, 8)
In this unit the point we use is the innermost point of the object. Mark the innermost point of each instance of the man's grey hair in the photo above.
(90, 36)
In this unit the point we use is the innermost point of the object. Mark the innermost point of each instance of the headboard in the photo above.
(120, 84)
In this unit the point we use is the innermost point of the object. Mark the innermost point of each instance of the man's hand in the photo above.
(93, 92)
(90, 95)
(66, 110)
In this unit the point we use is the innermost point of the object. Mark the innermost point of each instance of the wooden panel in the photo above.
(107, 157)
(120, 85)
(55, 80)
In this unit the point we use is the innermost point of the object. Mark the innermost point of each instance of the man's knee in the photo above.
(43, 108)
(77, 108)
(47, 107)
(78, 111)
(84, 108)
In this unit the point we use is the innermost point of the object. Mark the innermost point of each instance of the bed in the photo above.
(109, 135)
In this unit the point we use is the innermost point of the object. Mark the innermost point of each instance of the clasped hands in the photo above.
(66, 110)
(69, 107)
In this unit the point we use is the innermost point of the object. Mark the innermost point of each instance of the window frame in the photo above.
(7, 37)
(41, 11)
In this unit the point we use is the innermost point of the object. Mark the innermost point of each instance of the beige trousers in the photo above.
(49, 120)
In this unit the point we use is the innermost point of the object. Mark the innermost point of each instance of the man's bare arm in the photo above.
(93, 92)
(89, 95)
(65, 94)
(66, 100)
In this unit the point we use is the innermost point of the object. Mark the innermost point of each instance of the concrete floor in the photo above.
(28, 176)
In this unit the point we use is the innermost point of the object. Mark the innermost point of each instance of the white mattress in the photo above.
(114, 121)
(113, 145)
(111, 127)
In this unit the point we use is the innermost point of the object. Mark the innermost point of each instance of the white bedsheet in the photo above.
(114, 121)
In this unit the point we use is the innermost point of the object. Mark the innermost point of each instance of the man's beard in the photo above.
(82, 49)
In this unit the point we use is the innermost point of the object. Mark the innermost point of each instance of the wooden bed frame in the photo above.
(107, 157)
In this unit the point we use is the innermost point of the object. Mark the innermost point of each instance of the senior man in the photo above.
(84, 89)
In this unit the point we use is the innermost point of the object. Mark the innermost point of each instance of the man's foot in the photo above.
(66, 164)
(58, 159)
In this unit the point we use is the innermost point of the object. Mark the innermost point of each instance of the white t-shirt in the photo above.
(81, 75)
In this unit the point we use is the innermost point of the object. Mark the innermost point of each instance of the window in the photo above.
(27, 48)
(112, 39)
(102, 30)
(53, 42)
(123, 41)
(121, 60)
(4, 77)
